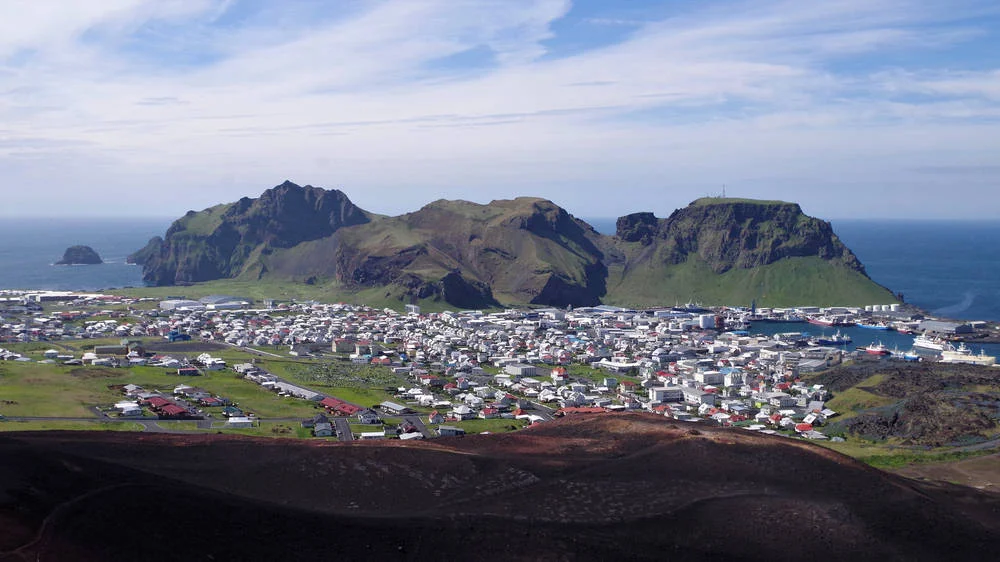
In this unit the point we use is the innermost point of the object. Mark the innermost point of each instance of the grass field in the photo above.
(848, 403)
(285, 290)
(893, 455)
(495, 425)
(591, 374)
(69, 426)
(33, 389)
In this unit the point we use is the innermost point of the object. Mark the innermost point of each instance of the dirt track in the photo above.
(982, 473)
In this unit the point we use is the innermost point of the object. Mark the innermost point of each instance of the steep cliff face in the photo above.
(734, 251)
(520, 251)
(727, 234)
(224, 240)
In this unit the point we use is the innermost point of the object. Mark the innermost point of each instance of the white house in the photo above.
(666, 394)
(239, 422)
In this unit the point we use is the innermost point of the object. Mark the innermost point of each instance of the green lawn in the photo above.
(496, 425)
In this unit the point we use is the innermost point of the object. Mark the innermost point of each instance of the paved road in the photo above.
(419, 424)
(343, 429)
(543, 411)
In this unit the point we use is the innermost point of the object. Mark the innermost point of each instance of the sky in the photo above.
(853, 108)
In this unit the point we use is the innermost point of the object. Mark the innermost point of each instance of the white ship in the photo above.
(964, 355)
(932, 344)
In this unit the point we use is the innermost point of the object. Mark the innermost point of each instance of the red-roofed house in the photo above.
(173, 411)
(157, 401)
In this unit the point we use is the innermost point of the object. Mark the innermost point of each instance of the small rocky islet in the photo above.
(80, 255)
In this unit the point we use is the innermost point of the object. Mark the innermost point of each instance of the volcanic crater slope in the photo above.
(624, 486)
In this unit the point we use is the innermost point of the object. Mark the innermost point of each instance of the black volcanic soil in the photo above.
(933, 404)
(624, 487)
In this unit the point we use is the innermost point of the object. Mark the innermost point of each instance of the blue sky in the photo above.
(854, 108)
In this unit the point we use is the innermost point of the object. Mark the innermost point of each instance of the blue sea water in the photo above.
(950, 268)
(30, 246)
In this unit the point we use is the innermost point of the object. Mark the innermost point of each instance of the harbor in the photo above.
(861, 337)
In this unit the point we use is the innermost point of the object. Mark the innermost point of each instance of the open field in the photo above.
(982, 472)
(848, 403)
(34, 389)
(57, 425)
(285, 290)
(495, 425)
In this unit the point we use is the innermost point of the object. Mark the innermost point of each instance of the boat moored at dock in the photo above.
(964, 355)
(930, 343)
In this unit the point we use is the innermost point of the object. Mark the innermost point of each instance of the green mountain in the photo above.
(729, 251)
(520, 251)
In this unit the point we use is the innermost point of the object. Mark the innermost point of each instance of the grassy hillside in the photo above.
(787, 282)
(295, 242)
(203, 223)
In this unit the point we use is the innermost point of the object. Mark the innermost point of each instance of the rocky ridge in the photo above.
(521, 251)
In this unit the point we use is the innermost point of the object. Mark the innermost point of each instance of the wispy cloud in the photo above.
(208, 100)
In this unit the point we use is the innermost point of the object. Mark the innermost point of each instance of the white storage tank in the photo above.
(894, 307)
(706, 321)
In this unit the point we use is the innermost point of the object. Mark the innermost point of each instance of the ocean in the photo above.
(949, 268)
(30, 246)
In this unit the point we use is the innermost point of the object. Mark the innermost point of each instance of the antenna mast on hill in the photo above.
(723, 191)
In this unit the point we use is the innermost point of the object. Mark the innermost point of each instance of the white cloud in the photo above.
(362, 98)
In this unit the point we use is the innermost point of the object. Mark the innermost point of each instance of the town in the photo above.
(363, 373)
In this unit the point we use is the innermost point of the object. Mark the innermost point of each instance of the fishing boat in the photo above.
(932, 344)
(877, 348)
(905, 355)
(873, 326)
